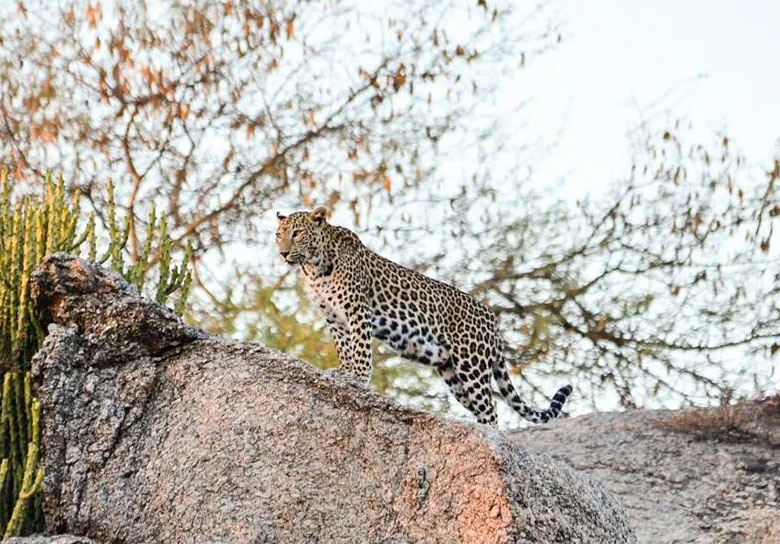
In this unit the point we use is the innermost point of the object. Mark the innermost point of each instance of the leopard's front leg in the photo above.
(353, 342)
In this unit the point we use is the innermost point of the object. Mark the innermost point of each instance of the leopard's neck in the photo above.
(318, 267)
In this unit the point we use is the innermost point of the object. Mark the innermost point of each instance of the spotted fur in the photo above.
(365, 296)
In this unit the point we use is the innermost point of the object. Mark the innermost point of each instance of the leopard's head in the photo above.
(300, 236)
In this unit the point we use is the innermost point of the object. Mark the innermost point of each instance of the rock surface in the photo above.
(705, 476)
(157, 432)
(40, 539)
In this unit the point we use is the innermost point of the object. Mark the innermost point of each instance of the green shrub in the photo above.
(32, 227)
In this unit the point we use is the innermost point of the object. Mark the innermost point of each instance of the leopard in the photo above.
(365, 296)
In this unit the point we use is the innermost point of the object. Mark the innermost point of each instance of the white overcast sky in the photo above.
(715, 62)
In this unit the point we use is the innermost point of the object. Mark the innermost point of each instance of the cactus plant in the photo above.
(30, 228)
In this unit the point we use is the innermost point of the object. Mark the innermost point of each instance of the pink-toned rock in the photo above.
(157, 432)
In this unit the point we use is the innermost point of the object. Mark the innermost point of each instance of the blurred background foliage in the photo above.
(661, 291)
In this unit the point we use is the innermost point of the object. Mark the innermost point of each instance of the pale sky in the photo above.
(714, 62)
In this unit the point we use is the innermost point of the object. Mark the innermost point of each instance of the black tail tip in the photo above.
(562, 394)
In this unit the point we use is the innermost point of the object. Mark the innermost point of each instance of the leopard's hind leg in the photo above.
(475, 397)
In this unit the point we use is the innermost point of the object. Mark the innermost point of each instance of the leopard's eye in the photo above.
(296, 232)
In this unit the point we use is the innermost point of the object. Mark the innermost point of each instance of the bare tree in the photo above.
(668, 286)
(221, 111)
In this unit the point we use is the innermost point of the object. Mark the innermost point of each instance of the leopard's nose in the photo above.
(284, 253)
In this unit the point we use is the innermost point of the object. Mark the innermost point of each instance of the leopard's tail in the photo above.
(510, 395)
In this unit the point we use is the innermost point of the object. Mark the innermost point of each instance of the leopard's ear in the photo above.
(318, 215)
(279, 216)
